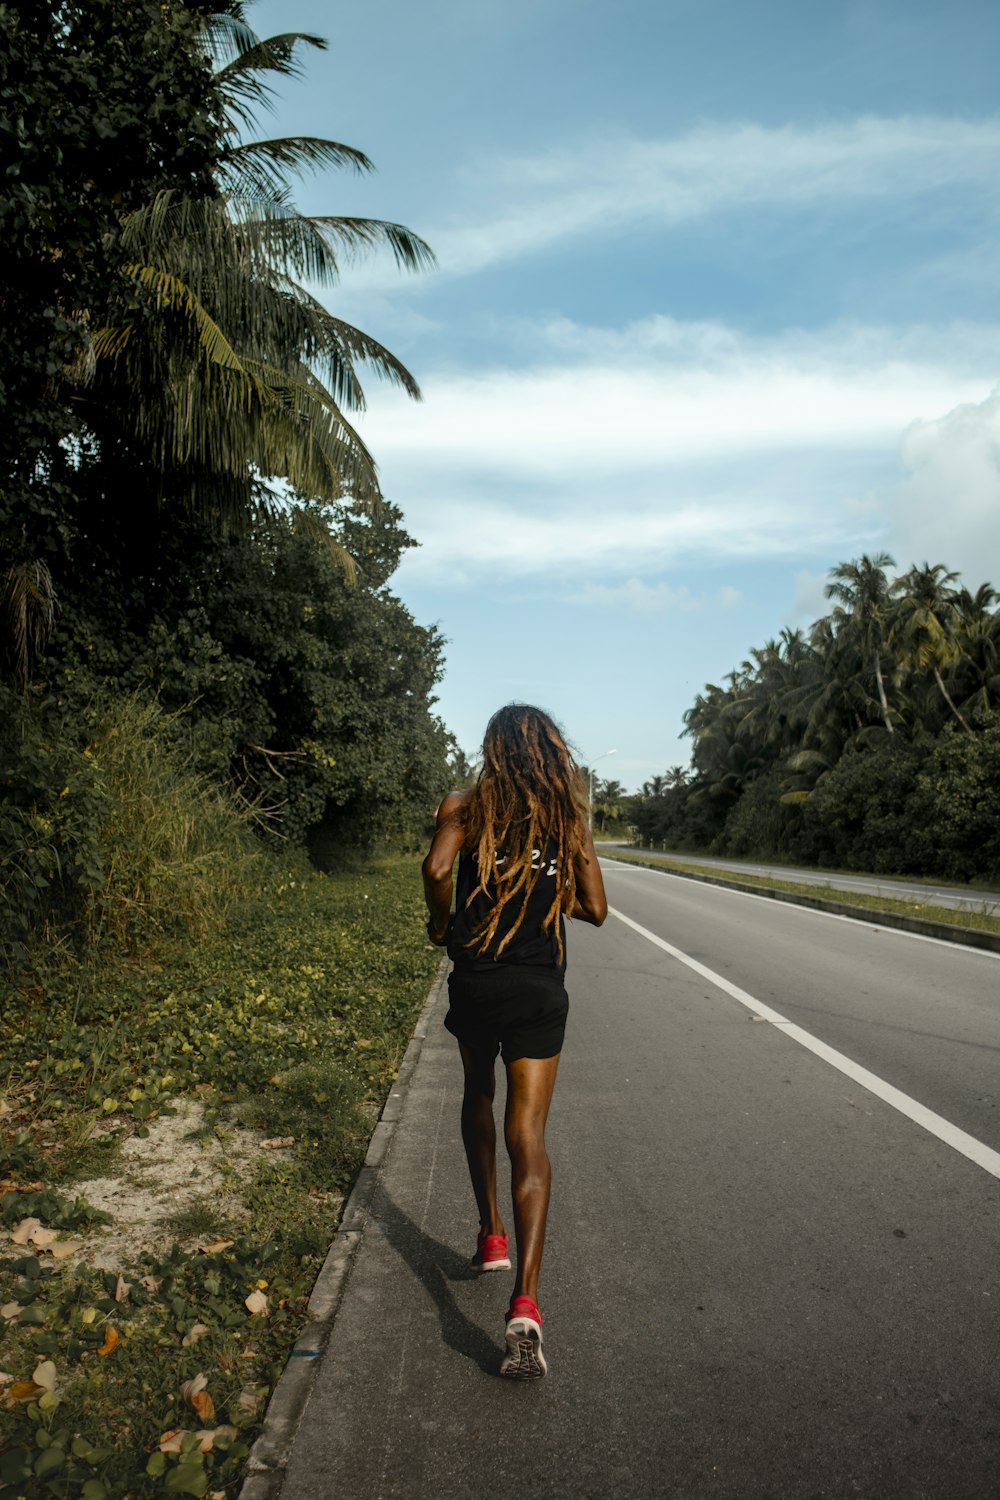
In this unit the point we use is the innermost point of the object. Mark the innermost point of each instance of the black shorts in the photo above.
(514, 1009)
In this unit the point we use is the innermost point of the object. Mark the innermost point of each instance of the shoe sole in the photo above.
(524, 1359)
(491, 1265)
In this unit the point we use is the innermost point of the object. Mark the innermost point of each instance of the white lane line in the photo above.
(872, 920)
(967, 1145)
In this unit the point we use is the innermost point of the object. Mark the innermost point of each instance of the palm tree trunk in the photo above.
(881, 691)
(948, 699)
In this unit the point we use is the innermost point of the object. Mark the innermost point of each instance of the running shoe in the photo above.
(491, 1253)
(524, 1359)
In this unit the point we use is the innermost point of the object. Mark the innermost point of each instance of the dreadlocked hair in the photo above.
(529, 796)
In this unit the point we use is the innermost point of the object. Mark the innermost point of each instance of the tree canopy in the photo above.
(858, 742)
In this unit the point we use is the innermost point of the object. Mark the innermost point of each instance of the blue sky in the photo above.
(716, 308)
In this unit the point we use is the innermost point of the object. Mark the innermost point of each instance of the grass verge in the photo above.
(985, 920)
(137, 1354)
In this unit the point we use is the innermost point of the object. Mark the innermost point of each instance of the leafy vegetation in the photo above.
(204, 678)
(872, 741)
(150, 1376)
(192, 518)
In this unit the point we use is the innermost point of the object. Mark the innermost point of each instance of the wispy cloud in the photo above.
(644, 598)
(602, 188)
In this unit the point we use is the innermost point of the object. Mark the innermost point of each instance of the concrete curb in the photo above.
(269, 1455)
(945, 932)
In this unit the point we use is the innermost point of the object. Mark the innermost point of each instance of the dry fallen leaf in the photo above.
(195, 1332)
(122, 1289)
(43, 1238)
(171, 1441)
(62, 1248)
(215, 1246)
(279, 1143)
(22, 1234)
(207, 1436)
(10, 1310)
(362, 1042)
(204, 1406)
(111, 1340)
(5, 1379)
(256, 1303)
(45, 1375)
(195, 1394)
(151, 1283)
(24, 1390)
(249, 1399)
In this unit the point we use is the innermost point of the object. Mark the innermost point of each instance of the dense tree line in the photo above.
(186, 510)
(870, 741)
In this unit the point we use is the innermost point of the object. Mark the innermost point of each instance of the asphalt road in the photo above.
(958, 897)
(762, 1278)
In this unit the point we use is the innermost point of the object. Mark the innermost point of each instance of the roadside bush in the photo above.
(861, 807)
(954, 810)
(107, 833)
(760, 824)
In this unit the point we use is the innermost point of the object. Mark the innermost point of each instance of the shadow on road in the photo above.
(435, 1265)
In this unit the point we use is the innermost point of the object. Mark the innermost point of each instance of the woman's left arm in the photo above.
(591, 904)
(439, 863)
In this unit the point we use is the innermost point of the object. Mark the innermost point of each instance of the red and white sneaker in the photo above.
(491, 1253)
(524, 1359)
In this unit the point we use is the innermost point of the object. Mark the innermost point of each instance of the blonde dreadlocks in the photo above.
(529, 796)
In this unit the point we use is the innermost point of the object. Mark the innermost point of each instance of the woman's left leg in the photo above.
(479, 1135)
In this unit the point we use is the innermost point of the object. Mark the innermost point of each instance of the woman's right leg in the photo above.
(530, 1081)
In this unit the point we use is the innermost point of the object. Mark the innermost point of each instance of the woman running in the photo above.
(526, 860)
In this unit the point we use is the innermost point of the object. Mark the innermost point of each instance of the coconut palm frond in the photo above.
(170, 291)
(262, 164)
(30, 600)
(240, 82)
(306, 521)
(229, 37)
(272, 54)
(322, 454)
(333, 347)
(410, 252)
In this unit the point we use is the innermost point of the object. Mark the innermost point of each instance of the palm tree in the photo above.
(217, 372)
(863, 592)
(924, 631)
(978, 671)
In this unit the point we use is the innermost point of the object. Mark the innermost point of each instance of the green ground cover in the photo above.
(984, 919)
(282, 1031)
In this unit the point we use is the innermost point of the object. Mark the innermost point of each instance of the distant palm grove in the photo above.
(870, 741)
(194, 549)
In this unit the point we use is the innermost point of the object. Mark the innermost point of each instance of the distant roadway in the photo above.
(901, 889)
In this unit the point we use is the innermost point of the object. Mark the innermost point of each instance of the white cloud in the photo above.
(947, 509)
(705, 442)
(764, 396)
(810, 602)
(608, 187)
(644, 598)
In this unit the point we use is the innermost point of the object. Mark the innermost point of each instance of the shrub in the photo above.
(107, 833)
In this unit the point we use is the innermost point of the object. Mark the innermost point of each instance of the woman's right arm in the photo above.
(591, 904)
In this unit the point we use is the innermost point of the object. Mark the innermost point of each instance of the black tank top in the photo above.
(529, 945)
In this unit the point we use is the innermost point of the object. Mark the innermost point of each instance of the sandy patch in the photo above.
(160, 1175)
